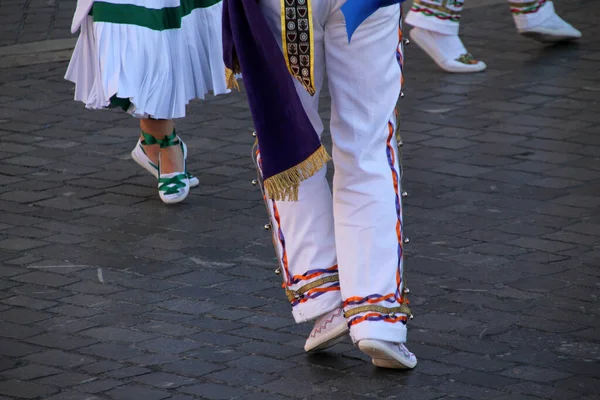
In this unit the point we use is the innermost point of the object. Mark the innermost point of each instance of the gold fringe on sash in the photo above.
(285, 185)
(232, 83)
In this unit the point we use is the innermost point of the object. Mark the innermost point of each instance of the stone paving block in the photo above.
(269, 349)
(207, 323)
(86, 300)
(468, 391)
(24, 316)
(165, 328)
(216, 354)
(101, 367)
(26, 390)
(477, 362)
(169, 346)
(12, 348)
(128, 372)
(60, 341)
(99, 385)
(542, 390)
(30, 232)
(64, 325)
(261, 364)
(31, 371)
(111, 351)
(141, 296)
(117, 320)
(188, 306)
(535, 374)
(237, 376)
(66, 379)
(58, 358)
(20, 244)
(45, 279)
(75, 311)
(539, 284)
(137, 392)
(117, 334)
(21, 196)
(163, 380)
(6, 364)
(93, 288)
(28, 302)
(17, 331)
(214, 391)
(192, 368)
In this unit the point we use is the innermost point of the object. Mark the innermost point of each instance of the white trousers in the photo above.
(443, 16)
(357, 231)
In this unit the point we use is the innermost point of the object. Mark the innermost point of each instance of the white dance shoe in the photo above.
(552, 30)
(388, 354)
(447, 51)
(329, 330)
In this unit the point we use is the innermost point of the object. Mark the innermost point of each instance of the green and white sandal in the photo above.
(173, 187)
(141, 158)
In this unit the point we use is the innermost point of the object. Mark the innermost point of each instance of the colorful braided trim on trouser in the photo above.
(447, 10)
(329, 282)
(530, 7)
(371, 311)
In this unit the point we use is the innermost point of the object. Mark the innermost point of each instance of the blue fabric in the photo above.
(357, 11)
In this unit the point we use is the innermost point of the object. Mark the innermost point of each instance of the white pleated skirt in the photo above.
(151, 59)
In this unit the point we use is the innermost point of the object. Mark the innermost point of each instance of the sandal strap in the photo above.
(148, 139)
(173, 184)
(167, 141)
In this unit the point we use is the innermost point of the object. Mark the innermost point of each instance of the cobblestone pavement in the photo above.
(105, 293)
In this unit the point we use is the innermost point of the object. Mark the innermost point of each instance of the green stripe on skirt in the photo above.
(157, 19)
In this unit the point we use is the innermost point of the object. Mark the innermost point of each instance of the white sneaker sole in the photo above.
(331, 339)
(384, 357)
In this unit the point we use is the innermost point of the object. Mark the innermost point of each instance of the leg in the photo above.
(303, 230)
(367, 201)
(157, 128)
(436, 25)
(538, 20)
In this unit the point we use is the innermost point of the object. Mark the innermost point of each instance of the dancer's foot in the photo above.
(146, 155)
(329, 330)
(173, 183)
(447, 51)
(388, 354)
(552, 30)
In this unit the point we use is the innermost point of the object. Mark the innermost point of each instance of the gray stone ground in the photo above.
(105, 293)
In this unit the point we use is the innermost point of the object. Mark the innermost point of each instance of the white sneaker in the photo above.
(447, 51)
(388, 354)
(552, 30)
(329, 330)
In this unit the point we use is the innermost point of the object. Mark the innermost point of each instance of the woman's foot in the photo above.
(173, 182)
(447, 51)
(146, 156)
